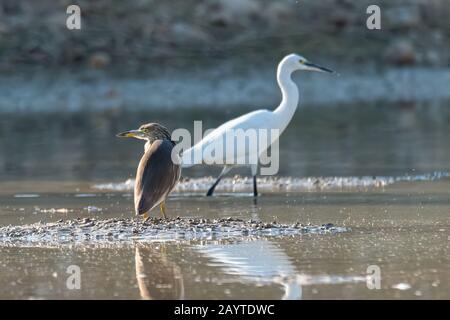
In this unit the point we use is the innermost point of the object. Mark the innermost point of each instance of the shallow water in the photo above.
(401, 225)
(360, 140)
(400, 229)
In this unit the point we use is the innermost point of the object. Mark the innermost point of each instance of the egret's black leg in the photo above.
(224, 172)
(255, 189)
(211, 190)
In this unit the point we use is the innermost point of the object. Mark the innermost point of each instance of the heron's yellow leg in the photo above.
(162, 206)
(146, 216)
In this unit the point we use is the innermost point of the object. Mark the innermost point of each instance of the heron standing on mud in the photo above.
(156, 174)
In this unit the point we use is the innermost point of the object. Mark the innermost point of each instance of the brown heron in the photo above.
(156, 174)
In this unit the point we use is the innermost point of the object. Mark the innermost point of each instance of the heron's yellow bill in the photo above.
(130, 134)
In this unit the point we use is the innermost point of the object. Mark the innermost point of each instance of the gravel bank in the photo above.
(91, 230)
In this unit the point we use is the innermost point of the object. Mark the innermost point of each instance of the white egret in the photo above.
(259, 119)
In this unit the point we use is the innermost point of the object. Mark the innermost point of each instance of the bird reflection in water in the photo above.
(157, 277)
(262, 262)
(259, 262)
(256, 262)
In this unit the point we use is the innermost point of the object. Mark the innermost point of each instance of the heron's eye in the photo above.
(302, 61)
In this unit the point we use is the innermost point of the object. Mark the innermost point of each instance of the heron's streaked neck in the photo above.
(147, 145)
(149, 142)
(290, 94)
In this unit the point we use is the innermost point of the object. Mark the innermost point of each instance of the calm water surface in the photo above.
(50, 163)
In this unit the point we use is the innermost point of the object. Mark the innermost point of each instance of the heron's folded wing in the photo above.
(156, 176)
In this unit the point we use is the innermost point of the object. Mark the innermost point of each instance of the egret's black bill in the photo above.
(318, 68)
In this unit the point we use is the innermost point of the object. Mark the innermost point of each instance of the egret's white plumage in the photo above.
(259, 119)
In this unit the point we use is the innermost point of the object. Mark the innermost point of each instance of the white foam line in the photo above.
(241, 184)
(26, 195)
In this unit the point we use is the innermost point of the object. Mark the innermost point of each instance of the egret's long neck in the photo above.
(289, 91)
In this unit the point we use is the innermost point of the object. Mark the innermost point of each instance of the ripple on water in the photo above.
(85, 195)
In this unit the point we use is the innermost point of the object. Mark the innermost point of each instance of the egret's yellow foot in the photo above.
(162, 206)
(146, 216)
